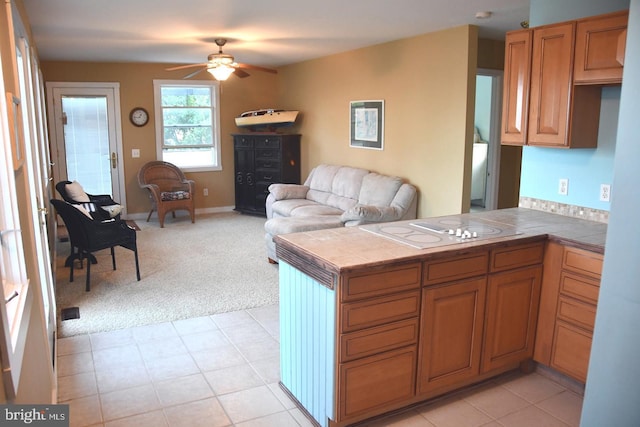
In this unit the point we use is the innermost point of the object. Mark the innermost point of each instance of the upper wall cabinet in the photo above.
(543, 105)
(600, 46)
(517, 75)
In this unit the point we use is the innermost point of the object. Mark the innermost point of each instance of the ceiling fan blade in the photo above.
(255, 67)
(188, 76)
(181, 67)
(241, 73)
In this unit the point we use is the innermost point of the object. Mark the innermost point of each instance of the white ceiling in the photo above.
(268, 33)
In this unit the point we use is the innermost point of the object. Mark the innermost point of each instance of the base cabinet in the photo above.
(568, 311)
(405, 331)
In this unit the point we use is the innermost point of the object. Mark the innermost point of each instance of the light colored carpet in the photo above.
(216, 265)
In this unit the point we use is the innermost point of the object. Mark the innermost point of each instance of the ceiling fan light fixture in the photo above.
(221, 72)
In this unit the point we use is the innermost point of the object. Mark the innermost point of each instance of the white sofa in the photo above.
(336, 196)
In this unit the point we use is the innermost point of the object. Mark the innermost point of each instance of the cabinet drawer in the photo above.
(457, 268)
(583, 262)
(508, 258)
(267, 142)
(267, 176)
(376, 382)
(579, 287)
(243, 142)
(378, 311)
(376, 340)
(577, 312)
(571, 350)
(268, 154)
(268, 164)
(383, 282)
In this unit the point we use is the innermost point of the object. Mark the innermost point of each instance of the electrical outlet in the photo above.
(205, 191)
(605, 192)
(563, 186)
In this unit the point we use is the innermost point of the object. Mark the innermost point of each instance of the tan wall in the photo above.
(136, 89)
(428, 85)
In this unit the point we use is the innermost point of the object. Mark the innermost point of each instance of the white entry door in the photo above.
(84, 119)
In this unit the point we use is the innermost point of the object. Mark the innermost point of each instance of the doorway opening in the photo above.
(84, 119)
(486, 144)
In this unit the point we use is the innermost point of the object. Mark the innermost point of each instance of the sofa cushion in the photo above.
(369, 213)
(276, 226)
(316, 210)
(287, 206)
(378, 190)
(288, 191)
(337, 186)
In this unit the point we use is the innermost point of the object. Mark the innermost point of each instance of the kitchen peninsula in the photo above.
(379, 317)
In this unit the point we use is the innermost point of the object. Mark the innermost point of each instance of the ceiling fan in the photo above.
(221, 65)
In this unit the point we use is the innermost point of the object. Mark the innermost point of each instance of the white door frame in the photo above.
(493, 169)
(112, 91)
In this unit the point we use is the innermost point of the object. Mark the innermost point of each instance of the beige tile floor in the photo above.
(223, 370)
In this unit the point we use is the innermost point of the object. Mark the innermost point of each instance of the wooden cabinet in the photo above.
(515, 106)
(600, 47)
(560, 115)
(551, 81)
(512, 312)
(568, 308)
(378, 336)
(485, 317)
(259, 161)
(451, 334)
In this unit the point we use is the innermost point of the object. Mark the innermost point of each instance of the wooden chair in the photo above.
(169, 190)
(88, 235)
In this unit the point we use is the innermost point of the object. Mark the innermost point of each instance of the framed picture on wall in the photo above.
(367, 124)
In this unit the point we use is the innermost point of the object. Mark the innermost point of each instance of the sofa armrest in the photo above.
(362, 214)
(288, 191)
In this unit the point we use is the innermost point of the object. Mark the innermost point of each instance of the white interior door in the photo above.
(84, 119)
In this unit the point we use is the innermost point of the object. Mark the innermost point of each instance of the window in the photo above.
(187, 129)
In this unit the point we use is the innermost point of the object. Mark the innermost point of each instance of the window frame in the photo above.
(214, 87)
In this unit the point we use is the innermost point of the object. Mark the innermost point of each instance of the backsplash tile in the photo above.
(565, 209)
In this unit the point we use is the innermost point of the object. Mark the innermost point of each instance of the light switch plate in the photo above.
(135, 153)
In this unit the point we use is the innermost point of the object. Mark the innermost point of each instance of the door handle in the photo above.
(114, 160)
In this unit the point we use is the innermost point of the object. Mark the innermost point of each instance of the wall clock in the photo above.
(139, 116)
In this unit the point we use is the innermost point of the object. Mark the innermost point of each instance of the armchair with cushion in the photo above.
(169, 190)
(100, 206)
(88, 235)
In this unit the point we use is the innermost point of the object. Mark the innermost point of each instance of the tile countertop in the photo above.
(342, 249)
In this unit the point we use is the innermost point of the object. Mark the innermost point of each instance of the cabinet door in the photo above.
(515, 104)
(600, 46)
(245, 186)
(451, 334)
(551, 84)
(513, 298)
